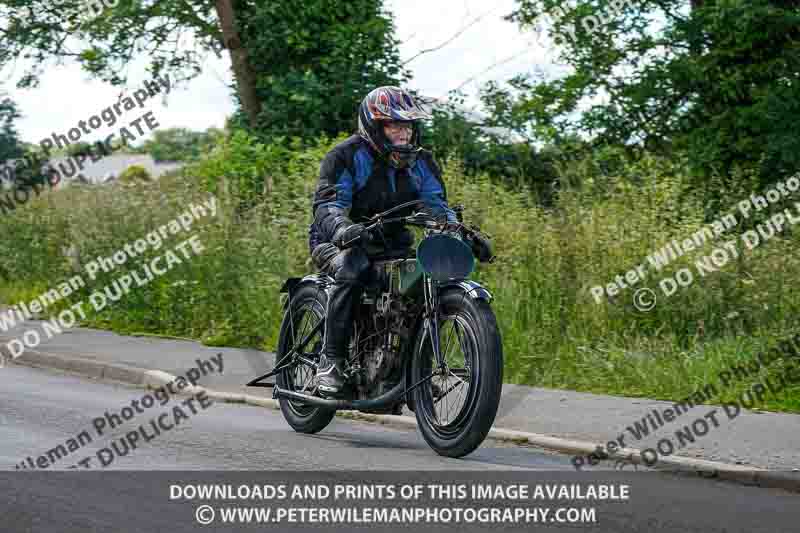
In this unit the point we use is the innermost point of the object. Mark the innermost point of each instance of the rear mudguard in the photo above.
(292, 284)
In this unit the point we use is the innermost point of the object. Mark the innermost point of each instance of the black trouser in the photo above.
(351, 270)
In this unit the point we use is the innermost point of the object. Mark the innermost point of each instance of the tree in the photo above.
(240, 62)
(300, 68)
(10, 147)
(458, 133)
(316, 60)
(180, 144)
(79, 148)
(716, 79)
(105, 44)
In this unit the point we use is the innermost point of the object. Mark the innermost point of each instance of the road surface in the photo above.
(42, 410)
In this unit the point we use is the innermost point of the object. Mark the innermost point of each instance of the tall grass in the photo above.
(554, 333)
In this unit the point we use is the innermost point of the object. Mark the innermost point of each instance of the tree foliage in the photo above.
(456, 135)
(10, 147)
(180, 144)
(316, 60)
(312, 62)
(43, 30)
(717, 79)
(134, 175)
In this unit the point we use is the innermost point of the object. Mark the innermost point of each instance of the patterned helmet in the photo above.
(395, 104)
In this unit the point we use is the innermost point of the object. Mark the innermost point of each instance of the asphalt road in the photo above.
(40, 410)
(762, 440)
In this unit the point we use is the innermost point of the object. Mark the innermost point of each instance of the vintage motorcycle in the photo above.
(424, 336)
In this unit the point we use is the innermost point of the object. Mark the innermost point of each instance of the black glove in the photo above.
(324, 254)
(448, 226)
(481, 246)
(452, 227)
(352, 235)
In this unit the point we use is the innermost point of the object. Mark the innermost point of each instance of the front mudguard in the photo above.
(473, 289)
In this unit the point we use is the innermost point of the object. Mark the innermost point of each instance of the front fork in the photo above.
(432, 319)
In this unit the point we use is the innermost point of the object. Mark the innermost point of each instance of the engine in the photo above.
(384, 329)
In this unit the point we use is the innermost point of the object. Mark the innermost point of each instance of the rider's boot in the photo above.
(330, 375)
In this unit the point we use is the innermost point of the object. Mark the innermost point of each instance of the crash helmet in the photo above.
(391, 104)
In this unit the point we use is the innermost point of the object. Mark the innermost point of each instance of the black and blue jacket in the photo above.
(356, 183)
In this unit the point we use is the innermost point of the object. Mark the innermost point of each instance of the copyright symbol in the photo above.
(644, 299)
(204, 515)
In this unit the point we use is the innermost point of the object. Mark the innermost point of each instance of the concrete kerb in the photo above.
(153, 379)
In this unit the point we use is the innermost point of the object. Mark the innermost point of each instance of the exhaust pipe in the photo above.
(380, 402)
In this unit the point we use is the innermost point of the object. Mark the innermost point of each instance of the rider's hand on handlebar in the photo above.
(353, 234)
(481, 246)
(452, 227)
(449, 226)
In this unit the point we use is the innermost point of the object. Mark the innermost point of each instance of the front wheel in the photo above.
(456, 407)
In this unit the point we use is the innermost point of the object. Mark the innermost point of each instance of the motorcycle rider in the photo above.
(380, 167)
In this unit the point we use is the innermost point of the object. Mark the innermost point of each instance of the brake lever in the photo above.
(376, 225)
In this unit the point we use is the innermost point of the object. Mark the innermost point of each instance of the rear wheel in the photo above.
(306, 311)
(455, 409)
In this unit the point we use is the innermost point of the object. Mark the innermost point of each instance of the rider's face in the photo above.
(398, 132)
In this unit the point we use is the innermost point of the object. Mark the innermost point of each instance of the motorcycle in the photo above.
(424, 336)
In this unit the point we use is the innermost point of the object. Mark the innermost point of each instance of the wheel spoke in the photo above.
(461, 395)
(308, 381)
(446, 410)
(446, 401)
(459, 373)
(457, 347)
(304, 322)
(461, 344)
(446, 351)
(451, 389)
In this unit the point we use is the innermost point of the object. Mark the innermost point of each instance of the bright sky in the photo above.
(67, 95)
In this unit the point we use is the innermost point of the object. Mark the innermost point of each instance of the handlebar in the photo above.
(418, 219)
